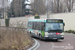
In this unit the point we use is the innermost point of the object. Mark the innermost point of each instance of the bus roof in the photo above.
(41, 20)
(38, 20)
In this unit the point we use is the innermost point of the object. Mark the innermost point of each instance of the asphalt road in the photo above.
(67, 44)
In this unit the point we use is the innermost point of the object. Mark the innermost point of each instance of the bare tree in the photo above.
(69, 4)
(17, 8)
(38, 7)
(55, 6)
(60, 6)
(4, 5)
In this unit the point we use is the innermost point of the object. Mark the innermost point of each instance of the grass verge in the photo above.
(14, 39)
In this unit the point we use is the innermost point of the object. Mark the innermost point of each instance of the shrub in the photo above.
(37, 17)
(20, 25)
(14, 39)
(70, 31)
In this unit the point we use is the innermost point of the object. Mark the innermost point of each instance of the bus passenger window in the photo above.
(42, 26)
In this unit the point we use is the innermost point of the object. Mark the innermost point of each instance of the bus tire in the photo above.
(40, 37)
(30, 33)
(56, 40)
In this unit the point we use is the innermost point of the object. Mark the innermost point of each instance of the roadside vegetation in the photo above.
(70, 31)
(14, 39)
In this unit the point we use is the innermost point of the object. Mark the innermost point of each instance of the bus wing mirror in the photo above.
(44, 25)
(64, 24)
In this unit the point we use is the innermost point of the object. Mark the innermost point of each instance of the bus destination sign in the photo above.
(54, 20)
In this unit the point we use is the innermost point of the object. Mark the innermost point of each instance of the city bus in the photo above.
(46, 28)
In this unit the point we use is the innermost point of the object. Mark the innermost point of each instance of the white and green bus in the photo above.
(46, 28)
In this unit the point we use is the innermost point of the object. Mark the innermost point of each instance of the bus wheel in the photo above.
(40, 37)
(30, 33)
(56, 40)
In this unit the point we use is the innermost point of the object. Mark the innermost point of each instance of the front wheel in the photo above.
(56, 40)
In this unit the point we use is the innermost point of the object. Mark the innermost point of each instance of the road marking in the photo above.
(37, 46)
(69, 44)
(62, 47)
(52, 46)
(69, 47)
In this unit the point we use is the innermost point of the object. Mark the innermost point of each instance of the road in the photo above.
(67, 44)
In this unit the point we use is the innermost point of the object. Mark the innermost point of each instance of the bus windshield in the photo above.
(54, 27)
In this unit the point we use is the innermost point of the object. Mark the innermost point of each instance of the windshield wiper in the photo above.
(57, 30)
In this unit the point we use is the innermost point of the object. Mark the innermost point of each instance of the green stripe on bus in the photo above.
(43, 33)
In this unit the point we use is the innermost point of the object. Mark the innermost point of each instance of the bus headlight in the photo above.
(62, 34)
(46, 34)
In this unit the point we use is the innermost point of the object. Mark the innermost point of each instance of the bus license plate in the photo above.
(52, 33)
(54, 38)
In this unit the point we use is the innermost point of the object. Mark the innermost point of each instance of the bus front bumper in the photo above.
(54, 38)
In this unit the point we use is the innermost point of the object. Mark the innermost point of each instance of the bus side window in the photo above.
(38, 26)
(33, 25)
(29, 25)
(42, 26)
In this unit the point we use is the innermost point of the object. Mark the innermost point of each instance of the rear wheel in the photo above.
(30, 34)
(40, 37)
